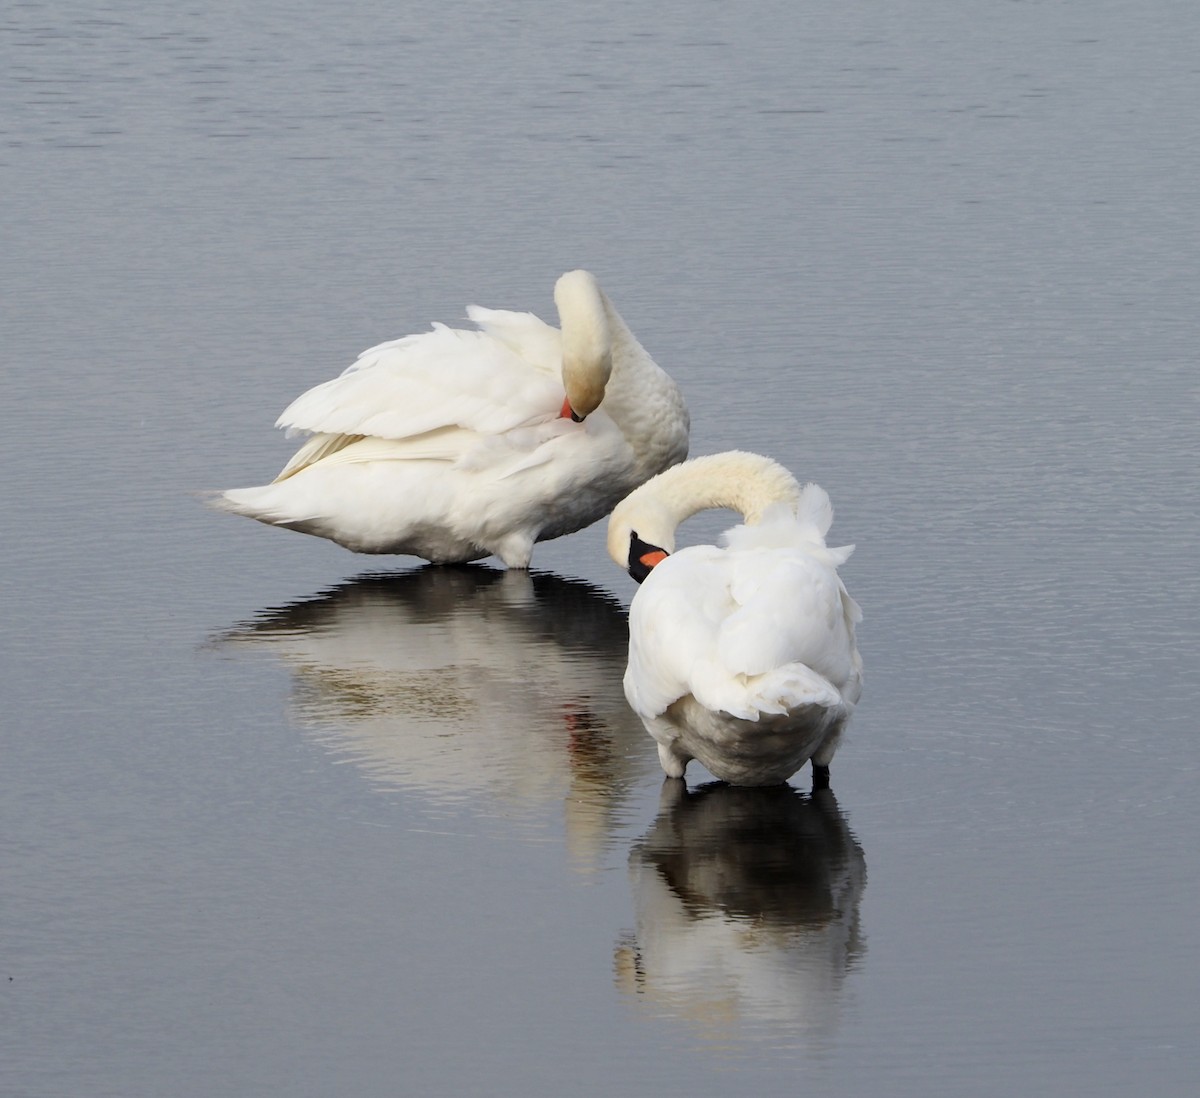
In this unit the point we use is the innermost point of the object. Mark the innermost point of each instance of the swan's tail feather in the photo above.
(792, 687)
(262, 504)
(220, 500)
(789, 689)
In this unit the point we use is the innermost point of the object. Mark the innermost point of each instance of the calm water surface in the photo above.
(275, 819)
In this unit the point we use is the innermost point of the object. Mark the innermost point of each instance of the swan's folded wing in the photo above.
(524, 334)
(448, 444)
(673, 623)
(313, 450)
(441, 378)
(789, 610)
(504, 455)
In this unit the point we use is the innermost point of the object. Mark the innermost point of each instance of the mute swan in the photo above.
(455, 445)
(743, 656)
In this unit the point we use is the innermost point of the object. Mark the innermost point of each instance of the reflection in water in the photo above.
(747, 912)
(462, 681)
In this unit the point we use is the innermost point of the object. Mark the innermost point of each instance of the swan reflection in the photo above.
(469, 681)
(747, 912)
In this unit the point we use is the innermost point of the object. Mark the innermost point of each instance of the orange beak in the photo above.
(566, 412)
(651, 559)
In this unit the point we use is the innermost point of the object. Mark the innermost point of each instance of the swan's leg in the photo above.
(823, 756)
(515, 549)
(673, 764)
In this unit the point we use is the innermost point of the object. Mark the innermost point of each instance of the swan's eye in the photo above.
(643, 557)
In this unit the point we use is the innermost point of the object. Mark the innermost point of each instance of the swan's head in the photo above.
(643, 557)
(640, 535)
(586, 344)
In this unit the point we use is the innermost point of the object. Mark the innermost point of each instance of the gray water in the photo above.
(275, 819)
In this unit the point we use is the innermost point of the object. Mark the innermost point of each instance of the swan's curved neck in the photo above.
(743, 482)
(603, 361)
(587, 337)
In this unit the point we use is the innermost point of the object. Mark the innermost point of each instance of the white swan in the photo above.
(742, 657)
(455, 445)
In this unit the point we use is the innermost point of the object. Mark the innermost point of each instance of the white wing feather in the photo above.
(672, 625)
(505, 376)
(789, 610)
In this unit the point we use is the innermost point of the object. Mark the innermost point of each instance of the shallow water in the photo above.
(277, 819)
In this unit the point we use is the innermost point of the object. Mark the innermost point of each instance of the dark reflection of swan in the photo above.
(466, 682)
(747, 912)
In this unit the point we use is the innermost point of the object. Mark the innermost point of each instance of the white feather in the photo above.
(423, 382)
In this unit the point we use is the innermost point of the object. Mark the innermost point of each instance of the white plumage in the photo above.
(455, 445)
(742, 656)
